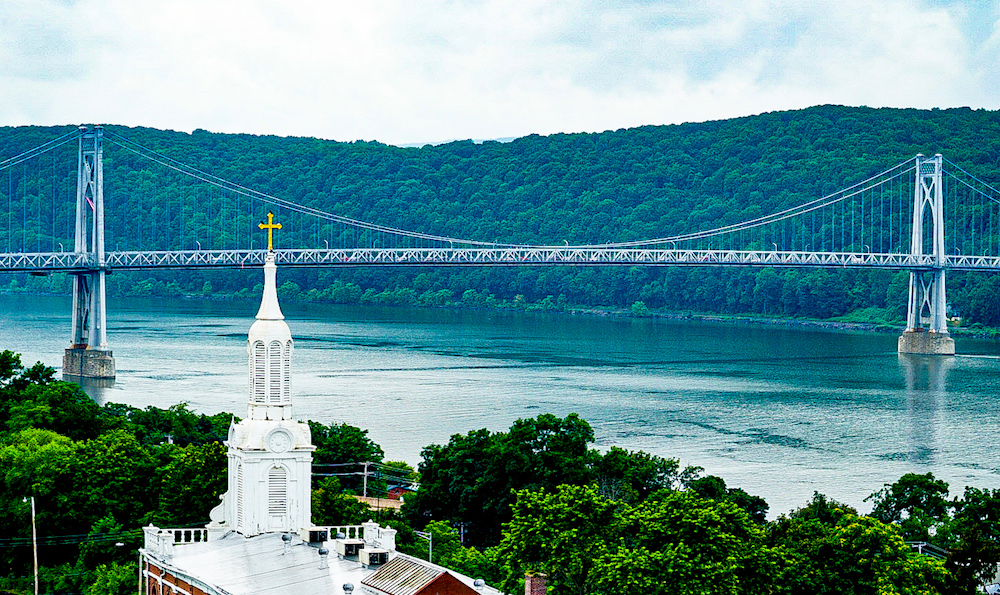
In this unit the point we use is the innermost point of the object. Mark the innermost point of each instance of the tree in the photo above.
(916, 503)
(453, 483)
(176, 424)
(473, 478)
(114, 579)
(332, 507)
(677, 543)
(446, 544)
(975, 538)
(115, 475)
(337, 444)
(37, 463)
(190, 483)
(58, 406)
(828, 549)
(683, 544)
(634, 475)
(714, 488)
(108, 542)
(560, 534)
(484, 564)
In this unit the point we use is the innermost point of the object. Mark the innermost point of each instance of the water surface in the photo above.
(779, 411)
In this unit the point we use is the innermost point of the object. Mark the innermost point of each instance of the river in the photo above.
(778, 411)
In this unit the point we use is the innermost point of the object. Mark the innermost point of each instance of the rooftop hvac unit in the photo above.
(373, 557)
(348, 547)
(315, 535)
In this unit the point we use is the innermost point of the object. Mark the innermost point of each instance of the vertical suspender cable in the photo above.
(24, 210)
(10, 207)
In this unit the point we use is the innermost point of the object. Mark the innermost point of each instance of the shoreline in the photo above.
(985, 333)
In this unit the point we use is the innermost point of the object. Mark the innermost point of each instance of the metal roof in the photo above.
(402, 576)
(238, 565)
(406, 575)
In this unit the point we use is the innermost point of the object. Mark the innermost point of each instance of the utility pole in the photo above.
(34, 540)
(365, 491)
(430, 543)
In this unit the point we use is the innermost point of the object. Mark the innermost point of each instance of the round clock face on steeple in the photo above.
(278, 441)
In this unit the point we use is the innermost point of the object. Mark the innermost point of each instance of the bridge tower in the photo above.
(88, 355)
(927, 307)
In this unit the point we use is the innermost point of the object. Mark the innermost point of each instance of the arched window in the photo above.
(274, 369)
(277, 491)
(286, 365)
(257, 378)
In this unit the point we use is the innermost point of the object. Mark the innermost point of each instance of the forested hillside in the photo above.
(619, 185)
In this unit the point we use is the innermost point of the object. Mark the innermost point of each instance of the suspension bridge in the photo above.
(904, 218)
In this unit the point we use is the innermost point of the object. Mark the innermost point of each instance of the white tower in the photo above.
(270, 455)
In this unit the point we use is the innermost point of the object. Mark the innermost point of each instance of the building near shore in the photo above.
(261, 539)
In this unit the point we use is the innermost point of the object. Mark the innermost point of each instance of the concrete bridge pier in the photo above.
(88, 364)
(927, 317)
(921, 343)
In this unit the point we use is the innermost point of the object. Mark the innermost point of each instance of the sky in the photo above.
(419, 71)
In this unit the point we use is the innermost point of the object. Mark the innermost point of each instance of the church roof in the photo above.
(238, 565)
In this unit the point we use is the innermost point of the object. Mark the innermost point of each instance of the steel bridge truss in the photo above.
(81, 262)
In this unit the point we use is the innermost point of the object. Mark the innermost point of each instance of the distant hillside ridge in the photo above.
(639, 183)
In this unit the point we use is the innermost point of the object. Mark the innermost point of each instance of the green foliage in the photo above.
(395, 471)
(337, 444)
(32, 398)
(586, 543)
(975, 538)
(640, 310)
(445, 540)
(829, 549)
(685, 544)
(176, 424)
(114, 579)
(341, 443)
(632, 476)
(484, 564)
(918, 504)
(65, 578)
(714, 488)
(191, 483)
(472, 478)
(332, 507)
(560, 534)
(108, 542)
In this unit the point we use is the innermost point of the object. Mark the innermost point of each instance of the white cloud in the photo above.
(402, 71)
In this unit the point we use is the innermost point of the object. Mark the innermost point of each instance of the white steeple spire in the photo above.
(269, 308)
(270, 454)
(269, 349)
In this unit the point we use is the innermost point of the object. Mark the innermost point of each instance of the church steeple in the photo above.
(269, 350)
(270, 454)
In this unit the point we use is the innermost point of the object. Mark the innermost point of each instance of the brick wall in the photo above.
(534, 584)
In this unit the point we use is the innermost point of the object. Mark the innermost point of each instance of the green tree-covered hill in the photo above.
(639, 183)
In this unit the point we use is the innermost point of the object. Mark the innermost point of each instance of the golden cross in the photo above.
(270, 226)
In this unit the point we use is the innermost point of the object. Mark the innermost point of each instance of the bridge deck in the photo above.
(73, 262)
